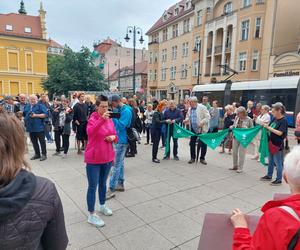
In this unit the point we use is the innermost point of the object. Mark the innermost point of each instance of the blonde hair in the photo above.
(12, 148)
(292, 167)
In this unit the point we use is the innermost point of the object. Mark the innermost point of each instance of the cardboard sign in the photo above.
(217, 231)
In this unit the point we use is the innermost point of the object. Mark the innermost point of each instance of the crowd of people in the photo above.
(109, 130)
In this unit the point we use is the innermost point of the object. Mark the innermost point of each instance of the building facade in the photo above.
(114, 56)
(23, 52)
(55, 48)
(252, 37)
(122, 79)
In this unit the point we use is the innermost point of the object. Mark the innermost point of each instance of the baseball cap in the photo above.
(8, 97)
(114, 98)
(279, 105)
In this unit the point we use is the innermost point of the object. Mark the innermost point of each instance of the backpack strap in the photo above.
(293, 243)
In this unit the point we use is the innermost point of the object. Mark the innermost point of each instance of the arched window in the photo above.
(228, 8)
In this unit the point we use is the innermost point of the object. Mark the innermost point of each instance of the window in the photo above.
(228, 8)
(155, 57)
(27, 30)
(165, 35)
(150, 57)
(199, 17)
(185, 49)
(155, 75)
(150, 75)
(242, 61)
(174, 52)
(187, 5)
(260, 1)
(29, 88)
(176, 12)
(1, 88)
(198, 43)
(186, 26)
(175, 30)
(164, 55)
(172, 73)
(245, 30)
(13, 61)
(9, 27)
(257, 27)
(195, 68)
(29, 62)
(14, 88)
(165, 17)
(255, 57)
(184, 71)
(246, 3)
(163, 74)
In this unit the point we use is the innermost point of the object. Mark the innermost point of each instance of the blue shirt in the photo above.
(34, 124)
(123, 123)
(214, 117)
(193, 119)
(175, 114)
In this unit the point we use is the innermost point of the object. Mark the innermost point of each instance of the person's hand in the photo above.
(173, 121)
(231, 127)
(265, 125)
(106, 116)
(168, 121)
(238, 219)
(200, 125)
(110, 138)
(186, 121)
(77, 122)
(33, 115)
(56, 110)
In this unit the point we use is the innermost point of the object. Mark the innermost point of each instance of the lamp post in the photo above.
(195, 50)
(134, 31)
(119, 74)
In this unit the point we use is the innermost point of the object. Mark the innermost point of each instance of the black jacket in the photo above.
(157, 120)
(31, 215)
(67, 126)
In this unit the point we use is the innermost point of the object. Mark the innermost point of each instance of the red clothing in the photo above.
(275, 229)
(298, 122)
(99, 151)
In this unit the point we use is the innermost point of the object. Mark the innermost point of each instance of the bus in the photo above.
(283, 89)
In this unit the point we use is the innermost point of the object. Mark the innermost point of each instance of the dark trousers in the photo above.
(213, 130)
(203, 147)
(131, 150)
(97, 176)
(175, 142)
(58, 134)
(155, 136)
(35, 138)
(148, 131)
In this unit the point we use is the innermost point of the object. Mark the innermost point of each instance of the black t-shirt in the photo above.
(281, 125)
(229, 120)
(81, 112)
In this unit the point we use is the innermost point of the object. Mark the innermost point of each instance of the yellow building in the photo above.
(23, 52)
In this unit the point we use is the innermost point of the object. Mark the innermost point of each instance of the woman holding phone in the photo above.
(99, 156)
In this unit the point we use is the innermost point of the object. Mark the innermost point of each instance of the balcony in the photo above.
(218, 50)
(208, 53)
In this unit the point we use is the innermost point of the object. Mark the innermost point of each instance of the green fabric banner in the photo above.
(213, 140)
(180, 132)
(245, 136)
(167, 149)
(263, 146)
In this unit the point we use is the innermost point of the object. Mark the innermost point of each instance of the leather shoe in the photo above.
(203, 162)
(35, 157)
(156, 161)
(191, 161)
(43, 158)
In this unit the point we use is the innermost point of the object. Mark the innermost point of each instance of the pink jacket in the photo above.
(99, 151)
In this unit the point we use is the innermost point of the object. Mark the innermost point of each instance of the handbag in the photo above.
(297, 134)
(273, 149)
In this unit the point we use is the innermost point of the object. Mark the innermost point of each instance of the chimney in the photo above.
(43, 21)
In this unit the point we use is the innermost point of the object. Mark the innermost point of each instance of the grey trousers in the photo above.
(238, 154)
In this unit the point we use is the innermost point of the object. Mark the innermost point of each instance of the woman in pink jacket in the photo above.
(99, 156)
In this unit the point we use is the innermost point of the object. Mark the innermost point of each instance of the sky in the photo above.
(82, 22)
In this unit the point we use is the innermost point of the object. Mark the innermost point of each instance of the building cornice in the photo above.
(24, 39)
(22, 74)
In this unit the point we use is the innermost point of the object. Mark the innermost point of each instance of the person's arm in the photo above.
(44, 113)
(250, 123)
(94, 125)
(206, 118)
(55, 235)
(69, 117)
(180, 116)
(279, 131)
(124, 120)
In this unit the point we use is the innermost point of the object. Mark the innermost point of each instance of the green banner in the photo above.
(213, 140)
(245, 136)
(167, 149)
(263, 146)
(180, 132)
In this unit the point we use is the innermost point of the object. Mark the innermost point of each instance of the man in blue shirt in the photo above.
(173, 115)
(34, 115)
(121, 125)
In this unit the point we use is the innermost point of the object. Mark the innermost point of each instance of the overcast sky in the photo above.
(81, 22)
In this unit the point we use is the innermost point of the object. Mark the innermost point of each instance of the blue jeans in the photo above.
(118, 169)
(97, 176)
(278, 160)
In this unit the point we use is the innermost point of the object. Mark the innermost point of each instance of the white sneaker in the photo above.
(105, 210)
(64, 156)
(95, 220)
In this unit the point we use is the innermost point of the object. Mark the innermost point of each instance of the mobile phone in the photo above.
(115, 115)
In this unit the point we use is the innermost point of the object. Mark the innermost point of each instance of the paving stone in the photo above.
(159, 189)
(132, 197)
(192, 244)
(104, 245)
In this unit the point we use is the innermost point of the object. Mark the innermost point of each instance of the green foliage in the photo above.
(73, 71)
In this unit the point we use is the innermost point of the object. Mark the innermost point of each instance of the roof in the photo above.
(105, 45)
(55, 44)
(18, 23)
(172, 17)
(140, 68)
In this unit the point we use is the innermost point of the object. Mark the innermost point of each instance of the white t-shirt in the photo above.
(263, 119)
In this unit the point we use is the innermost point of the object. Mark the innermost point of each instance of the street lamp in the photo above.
(134, 31)
(195, 50)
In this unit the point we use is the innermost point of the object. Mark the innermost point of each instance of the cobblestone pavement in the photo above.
(164, 204)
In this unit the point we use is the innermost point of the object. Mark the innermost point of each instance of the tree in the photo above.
(73, 71)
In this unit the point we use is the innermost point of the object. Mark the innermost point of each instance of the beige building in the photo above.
(253, 37)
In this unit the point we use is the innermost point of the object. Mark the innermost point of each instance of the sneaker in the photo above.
(176, 158)
(64, 156)
(156, 161)
(56, 154)
(266, 178)
(35, 157)
(275, 183)
(110, 194)
(95, 220)
(120, 188)
(203, 162)
(234, 168)
(147, 143)
(43, 158)
(105, 210)
(239, 171)
(191, 161)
